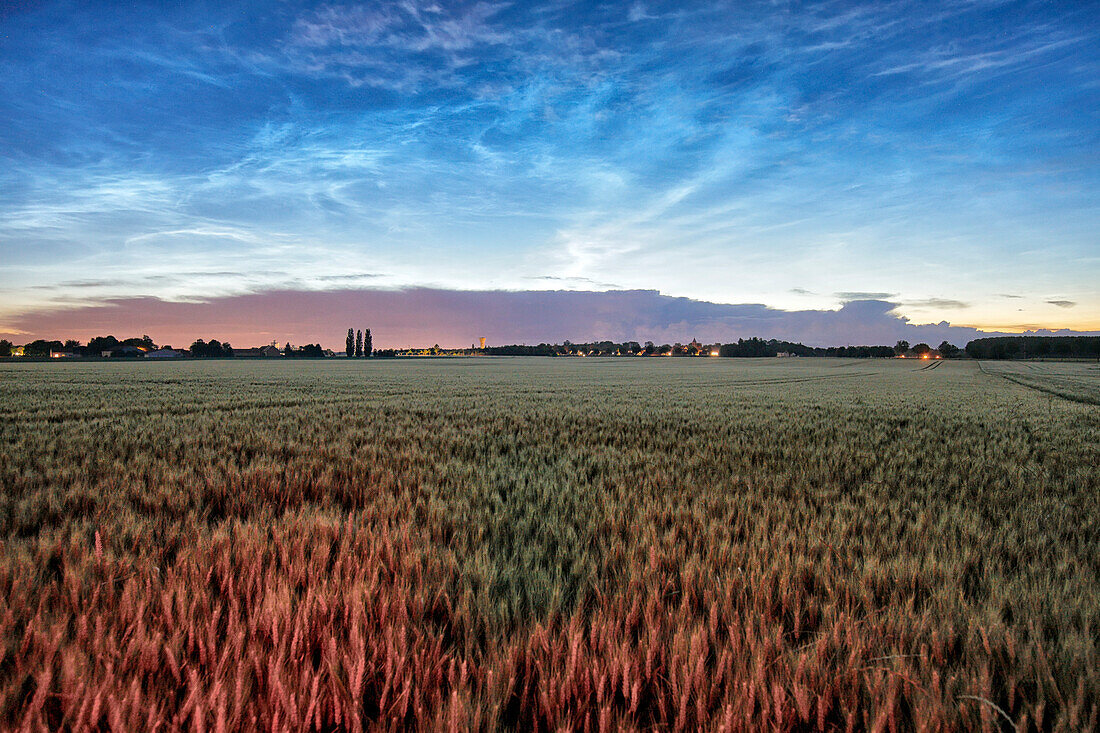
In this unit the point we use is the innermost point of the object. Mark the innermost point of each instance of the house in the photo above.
(165, 352)
(258, 352)
(129, 352)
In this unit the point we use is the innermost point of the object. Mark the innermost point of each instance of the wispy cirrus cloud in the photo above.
(407, 26)
(940, 303)
(856, 295)
(580, 282)
(946, 63)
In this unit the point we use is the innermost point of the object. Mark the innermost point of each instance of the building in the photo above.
(125, 352)
(165, 352)
(268, 351)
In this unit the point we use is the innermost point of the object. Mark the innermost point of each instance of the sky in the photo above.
(830, 172)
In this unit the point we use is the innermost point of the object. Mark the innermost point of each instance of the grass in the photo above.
(547, 544)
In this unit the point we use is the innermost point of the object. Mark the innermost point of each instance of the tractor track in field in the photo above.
(1049, 389)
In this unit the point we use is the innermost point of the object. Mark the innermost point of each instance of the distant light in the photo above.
(924, 356)
(714, 352)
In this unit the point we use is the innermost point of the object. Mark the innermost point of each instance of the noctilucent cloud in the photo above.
(943, 157)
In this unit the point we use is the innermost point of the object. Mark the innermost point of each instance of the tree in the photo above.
(41, 347)
(368, 344)
(948, 350)
(901, 347)
(921, 349)
(213, 349)
(351, 343)
(358, 343)
(144, 342)
(288, 350)
(99, 344)
(5, 347)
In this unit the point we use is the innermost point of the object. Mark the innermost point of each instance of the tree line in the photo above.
(95, 347)
(751, 347)
(212, 349)
(136, 347)
(309, 351)
(359, 345)
(945, 349)
(1030, 347)
(757, 347)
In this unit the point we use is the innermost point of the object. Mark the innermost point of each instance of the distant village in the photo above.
(108, 347)
(359, 345)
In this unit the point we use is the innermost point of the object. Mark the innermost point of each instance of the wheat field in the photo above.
(549, 544)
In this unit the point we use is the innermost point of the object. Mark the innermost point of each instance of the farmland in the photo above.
(737, 544)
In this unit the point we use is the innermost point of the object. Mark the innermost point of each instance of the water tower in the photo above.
(482, 341)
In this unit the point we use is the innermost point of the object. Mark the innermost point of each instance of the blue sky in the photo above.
(943, 157)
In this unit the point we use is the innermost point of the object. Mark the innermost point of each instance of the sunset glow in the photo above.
(937, 160)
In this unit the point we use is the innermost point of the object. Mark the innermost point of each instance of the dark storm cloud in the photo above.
(457, 318)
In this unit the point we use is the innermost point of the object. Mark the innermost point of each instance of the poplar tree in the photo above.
(368, 344)
(358, 343)
(351, 343)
